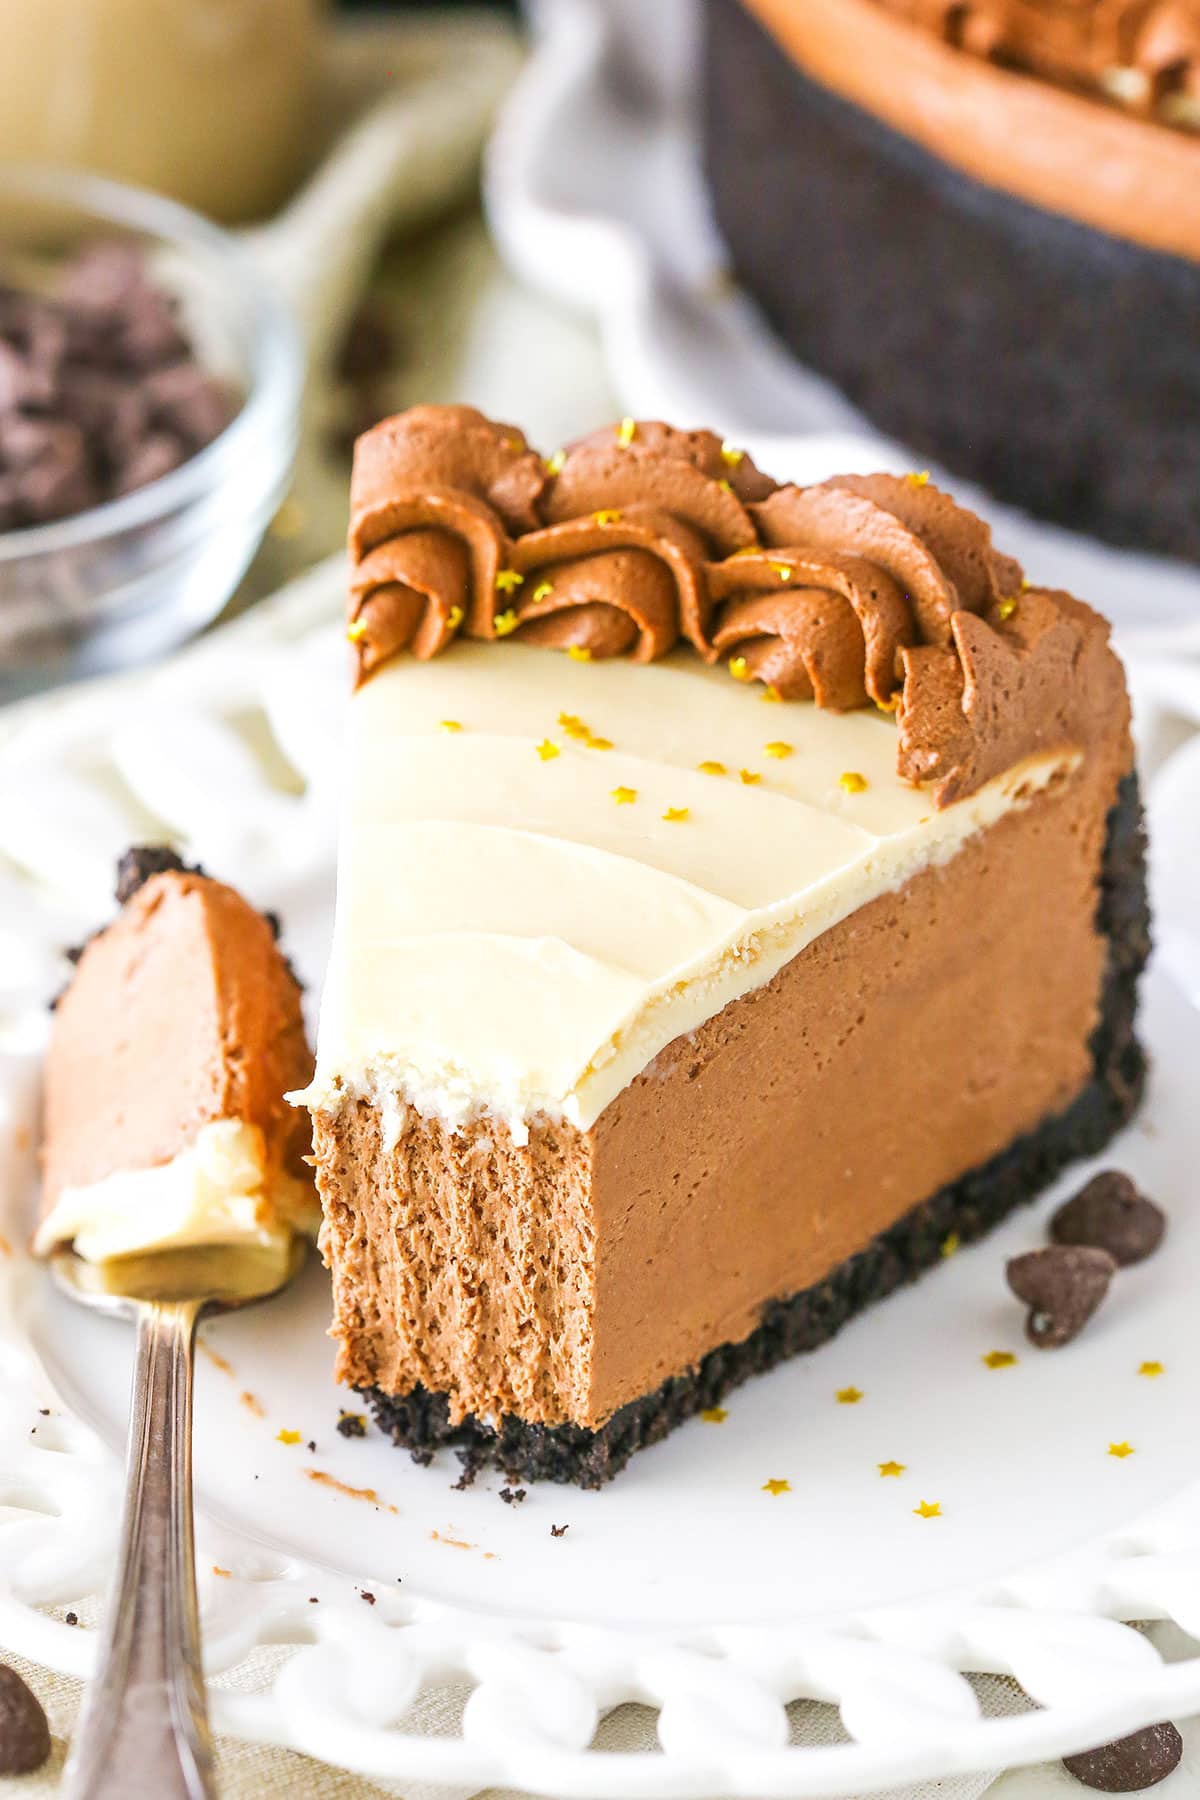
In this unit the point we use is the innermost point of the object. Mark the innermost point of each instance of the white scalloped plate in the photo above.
(685, 1584)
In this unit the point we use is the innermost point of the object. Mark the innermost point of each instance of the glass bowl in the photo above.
(125, 581)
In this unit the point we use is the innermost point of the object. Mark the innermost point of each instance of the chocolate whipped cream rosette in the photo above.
(863, 590)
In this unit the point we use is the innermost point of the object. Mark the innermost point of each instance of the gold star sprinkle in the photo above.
(508, 581)
(771, 694)
(776, 1486)
(548, 750)
(778, 749)
(917, 478)
(450, 724)
(1120, 1450)
(892, 1468)
(739, 668)
(624, 796)
(725, 485)
(454, 618)
(731, 454)
(579, 653)
(1026, 584)
(853, 782)
(949, 1244)
(573, 725)
(288, 1437)
(714, 1415)
(597, 743)
(357, 630)
(625, 432)
(505, 622)
(783, 570)
(554, 464)
(998, 1359)
(848, 1396)
(675, 815)
(712, 768)
(750, 777)
(1151, 1368)
(606, 516)
(928, 1509)
(543, 590)
(1006, 608)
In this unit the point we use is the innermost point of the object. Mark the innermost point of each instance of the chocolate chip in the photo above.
(1112, 1215)
(559, 1530)
(1130, 1765)
(512, 1496)
(1062, 1287)
(368, 1597)
(71, 1619)
(24, 1733)
(352, 1425)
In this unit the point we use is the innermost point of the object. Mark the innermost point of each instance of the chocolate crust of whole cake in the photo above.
(967, 1208)
(1053, 363)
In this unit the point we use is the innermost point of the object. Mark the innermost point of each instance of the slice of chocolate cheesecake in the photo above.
(740, 892)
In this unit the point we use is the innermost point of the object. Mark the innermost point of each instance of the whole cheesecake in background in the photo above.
(166, 1126)
(983, 222)
(740, 900)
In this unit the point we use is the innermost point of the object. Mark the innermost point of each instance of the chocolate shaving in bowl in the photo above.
(100, 390)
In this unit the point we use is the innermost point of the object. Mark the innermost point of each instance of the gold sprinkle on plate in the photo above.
(848, 1396)
(624, 796)
(714, 1415)
(579, 653)
(998, 1359)
(712, 768)
(928, 1509)
(778, 749)
(1121, 1450)
(548, 750)
(675, 815)
(852, 781)
(1151, 1368)
(892, 1468)
(776, 1486)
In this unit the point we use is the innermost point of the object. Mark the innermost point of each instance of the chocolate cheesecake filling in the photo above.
(968, 1206)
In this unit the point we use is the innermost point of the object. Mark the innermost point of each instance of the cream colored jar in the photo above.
(207, 100)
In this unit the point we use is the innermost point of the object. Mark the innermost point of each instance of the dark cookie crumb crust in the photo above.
(967, 1208)
(979, 329)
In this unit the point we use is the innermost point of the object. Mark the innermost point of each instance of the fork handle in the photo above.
(144, 1734)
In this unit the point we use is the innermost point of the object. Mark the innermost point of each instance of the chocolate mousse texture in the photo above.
(900, 1084)
(181, 1012)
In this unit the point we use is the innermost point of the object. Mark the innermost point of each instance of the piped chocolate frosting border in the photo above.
(862, 590)
(968, 1208)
